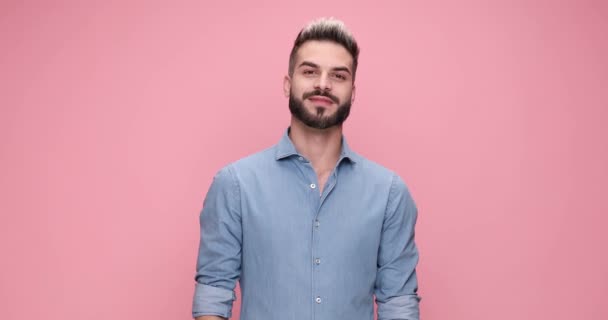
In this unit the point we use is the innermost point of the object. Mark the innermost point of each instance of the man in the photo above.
(311, 229)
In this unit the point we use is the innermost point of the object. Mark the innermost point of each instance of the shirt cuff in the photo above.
(402, 307)
(210, 300)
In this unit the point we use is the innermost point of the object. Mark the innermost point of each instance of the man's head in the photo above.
(320, 81)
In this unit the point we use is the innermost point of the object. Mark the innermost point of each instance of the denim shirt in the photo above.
(300, 254)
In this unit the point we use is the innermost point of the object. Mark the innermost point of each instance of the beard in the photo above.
(319, 120)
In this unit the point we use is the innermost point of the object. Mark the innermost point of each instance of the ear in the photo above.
(286, 85)
(353, 94)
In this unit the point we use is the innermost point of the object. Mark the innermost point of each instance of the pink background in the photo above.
(115, 116)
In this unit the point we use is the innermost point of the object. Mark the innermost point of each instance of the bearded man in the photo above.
(309, 228)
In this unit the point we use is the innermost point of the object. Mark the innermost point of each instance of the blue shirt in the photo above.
(304, 255)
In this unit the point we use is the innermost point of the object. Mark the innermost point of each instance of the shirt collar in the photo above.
(285, 149)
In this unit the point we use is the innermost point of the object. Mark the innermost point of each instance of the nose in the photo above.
(323, 82)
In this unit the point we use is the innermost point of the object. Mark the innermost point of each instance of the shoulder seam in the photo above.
(390, 193)
(236, 186)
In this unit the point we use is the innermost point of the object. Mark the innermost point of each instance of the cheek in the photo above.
(345, 94)
(301, 85)
(298, 90)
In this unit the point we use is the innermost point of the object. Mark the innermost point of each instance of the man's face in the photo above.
(321, 88)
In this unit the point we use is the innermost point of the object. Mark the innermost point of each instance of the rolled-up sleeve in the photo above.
(396, 282)
(219, 257)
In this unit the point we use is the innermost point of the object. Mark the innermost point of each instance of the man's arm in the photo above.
(396, 282)
(219, 258)
(210, 318)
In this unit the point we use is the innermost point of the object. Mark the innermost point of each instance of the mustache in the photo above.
(318, 92)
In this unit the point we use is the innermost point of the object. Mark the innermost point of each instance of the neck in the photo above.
(320, 146)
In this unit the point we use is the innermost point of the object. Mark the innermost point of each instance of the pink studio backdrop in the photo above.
(116, 115)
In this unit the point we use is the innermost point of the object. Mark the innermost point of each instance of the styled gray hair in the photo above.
(329, 29)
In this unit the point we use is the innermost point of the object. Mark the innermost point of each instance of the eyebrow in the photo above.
(314, 65)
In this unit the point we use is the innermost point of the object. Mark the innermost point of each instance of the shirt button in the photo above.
(317, 261)
(312, 185)
(318, 299)
(317, 223)
(301, 158)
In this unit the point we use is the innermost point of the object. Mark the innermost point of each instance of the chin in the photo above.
(314, 107)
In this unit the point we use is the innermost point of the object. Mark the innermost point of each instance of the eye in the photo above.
(339, 76)
(308, 72)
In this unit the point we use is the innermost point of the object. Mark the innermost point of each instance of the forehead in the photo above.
(324, 53)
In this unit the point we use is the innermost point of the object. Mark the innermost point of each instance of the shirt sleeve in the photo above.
(396, 282)
(218, 265)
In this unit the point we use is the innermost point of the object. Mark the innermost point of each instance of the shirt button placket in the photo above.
(316, 262)
(315, 259)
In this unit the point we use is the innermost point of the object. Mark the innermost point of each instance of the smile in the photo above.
(321, 99)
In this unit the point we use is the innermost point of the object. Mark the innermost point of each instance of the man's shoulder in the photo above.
(372, 168)
(251, 162)
(256, 158)
(379, 175)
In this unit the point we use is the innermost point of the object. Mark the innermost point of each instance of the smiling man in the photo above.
(309, 228)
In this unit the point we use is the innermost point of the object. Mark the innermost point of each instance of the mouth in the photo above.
(321, 100)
